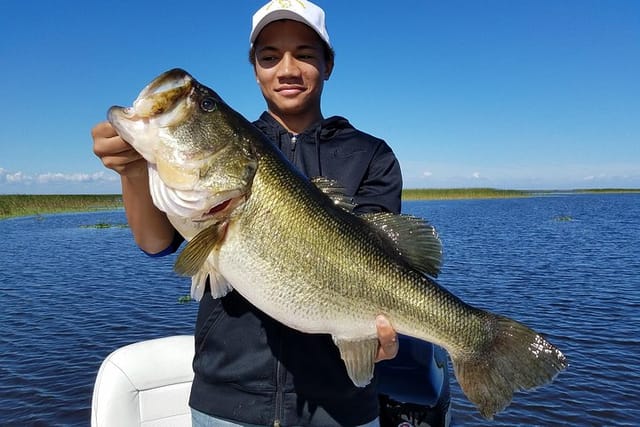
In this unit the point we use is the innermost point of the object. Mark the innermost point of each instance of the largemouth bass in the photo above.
(291, 247)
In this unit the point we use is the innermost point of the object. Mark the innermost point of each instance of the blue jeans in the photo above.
(198, 419)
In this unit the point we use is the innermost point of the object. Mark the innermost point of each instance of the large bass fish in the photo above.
(291, 247)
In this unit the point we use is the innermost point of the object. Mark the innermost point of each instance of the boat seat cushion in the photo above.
(145, 384)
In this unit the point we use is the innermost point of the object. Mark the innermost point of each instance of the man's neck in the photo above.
(296, 123)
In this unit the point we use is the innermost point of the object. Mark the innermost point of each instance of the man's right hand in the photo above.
(116, 153)
(152, 230)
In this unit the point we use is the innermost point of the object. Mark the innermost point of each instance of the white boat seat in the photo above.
(145, 384)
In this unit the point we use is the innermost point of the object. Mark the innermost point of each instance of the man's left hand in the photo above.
(387, 338)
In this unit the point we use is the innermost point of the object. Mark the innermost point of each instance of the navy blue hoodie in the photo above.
(250, 368)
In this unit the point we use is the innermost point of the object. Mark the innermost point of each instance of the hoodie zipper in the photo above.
(294, 140)
(280, 380)
(279, 397)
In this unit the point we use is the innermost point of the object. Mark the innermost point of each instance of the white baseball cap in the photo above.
(296, 10)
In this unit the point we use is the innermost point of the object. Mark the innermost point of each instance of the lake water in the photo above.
(569, 266)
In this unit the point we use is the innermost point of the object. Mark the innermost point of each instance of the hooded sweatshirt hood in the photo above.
(304, 149)
(334, 149)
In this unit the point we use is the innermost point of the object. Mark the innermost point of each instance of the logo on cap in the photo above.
(285, 4)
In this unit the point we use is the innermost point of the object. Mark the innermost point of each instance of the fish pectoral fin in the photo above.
(412, 238)
(359, 357)
(195, 254)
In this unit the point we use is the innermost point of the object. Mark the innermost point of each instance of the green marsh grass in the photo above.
(461, 193)
(100, 225)
(35, 204)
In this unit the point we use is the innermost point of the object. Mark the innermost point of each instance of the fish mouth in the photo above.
(163, 93)
(158, 97)
(162, 103)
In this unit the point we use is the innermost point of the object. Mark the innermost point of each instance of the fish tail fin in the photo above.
(514, 358)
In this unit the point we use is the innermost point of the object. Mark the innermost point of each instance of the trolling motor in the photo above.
(413, 387)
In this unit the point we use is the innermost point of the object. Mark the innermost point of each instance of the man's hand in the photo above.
(116, 153)
(387, 338)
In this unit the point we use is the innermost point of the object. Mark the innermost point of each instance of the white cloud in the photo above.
(476, 175)
(51, 177)
(16, 177)
(74, 177)
(595, 177)
(18, 181)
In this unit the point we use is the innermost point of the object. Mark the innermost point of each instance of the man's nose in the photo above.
(288, 66)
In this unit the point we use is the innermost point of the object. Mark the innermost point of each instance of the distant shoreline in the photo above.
(493, 193)
(14, 205)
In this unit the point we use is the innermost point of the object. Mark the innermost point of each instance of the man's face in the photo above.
(291, 68)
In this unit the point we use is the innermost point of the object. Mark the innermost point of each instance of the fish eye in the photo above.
(208, 104)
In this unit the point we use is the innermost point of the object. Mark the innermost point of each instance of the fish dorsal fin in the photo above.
(414, 239)
(195, 261)
(335, 192)
(359, 358)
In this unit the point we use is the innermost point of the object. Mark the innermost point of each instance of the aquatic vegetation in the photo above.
(185, 299)
(12, 205)
(461, 193)
(106, 225)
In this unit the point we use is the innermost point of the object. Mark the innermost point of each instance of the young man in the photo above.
(250, 369)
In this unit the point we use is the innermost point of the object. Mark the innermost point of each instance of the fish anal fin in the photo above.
(515, 358)
(413, 238)
(359, 358)
(335, 192)
(194, 256)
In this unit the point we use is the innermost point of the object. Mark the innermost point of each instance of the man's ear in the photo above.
(328, 69)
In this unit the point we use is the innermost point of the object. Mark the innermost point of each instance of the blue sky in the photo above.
(540, 94)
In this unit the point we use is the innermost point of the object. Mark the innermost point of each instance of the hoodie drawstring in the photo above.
(317, 141)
